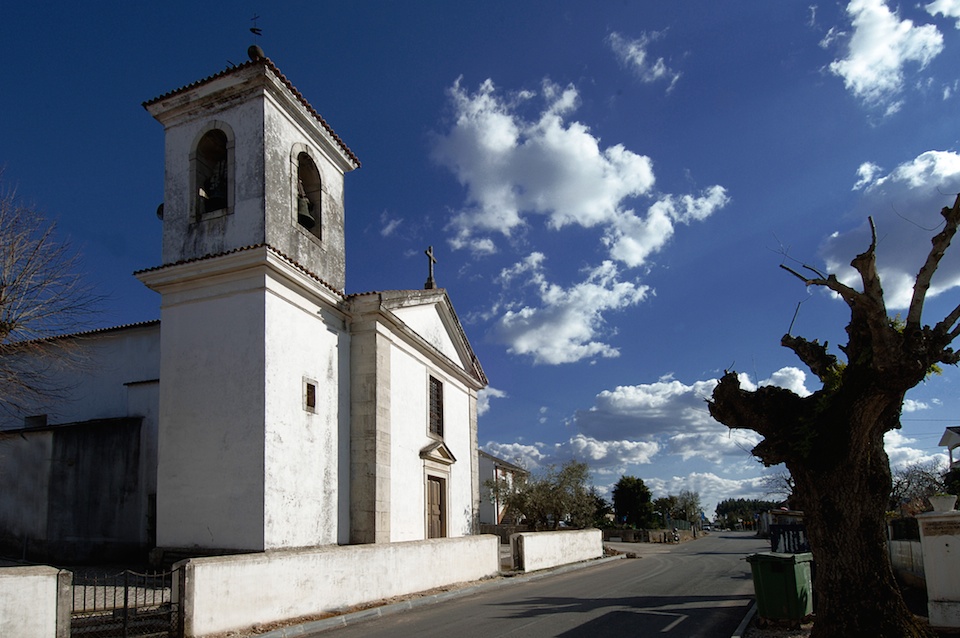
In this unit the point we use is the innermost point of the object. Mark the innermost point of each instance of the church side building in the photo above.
(275, 410)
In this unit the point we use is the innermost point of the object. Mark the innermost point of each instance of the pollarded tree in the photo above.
(832, 440)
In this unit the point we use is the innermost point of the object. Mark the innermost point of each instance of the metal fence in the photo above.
(789, 539)
(126, 604)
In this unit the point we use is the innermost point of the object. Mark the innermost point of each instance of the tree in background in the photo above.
(832, 440)
(554, 496)
(41, 296)
(731, 512)
(665, 508)
(688, 506)
(779, 485)
(951, 481)
(913, 484)
(631, 502)
(602, 509)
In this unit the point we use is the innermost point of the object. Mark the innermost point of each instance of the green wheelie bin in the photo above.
(783, 585)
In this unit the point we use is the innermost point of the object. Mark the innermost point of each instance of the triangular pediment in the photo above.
(438, 452)
(430, 317)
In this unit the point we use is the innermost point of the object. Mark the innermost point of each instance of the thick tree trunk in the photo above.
(856, 594)
(832, 443)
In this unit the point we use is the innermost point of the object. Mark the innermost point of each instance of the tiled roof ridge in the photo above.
(267, 63)
(90, 332)
(386, 290)
(293, 262)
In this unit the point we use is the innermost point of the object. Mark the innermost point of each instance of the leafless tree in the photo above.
(779, 484)
(914, 483)
(42, 297)
(832, 440)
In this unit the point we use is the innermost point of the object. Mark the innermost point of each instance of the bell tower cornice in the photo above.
(220, 91)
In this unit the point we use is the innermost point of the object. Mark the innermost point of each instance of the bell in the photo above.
(305, 213)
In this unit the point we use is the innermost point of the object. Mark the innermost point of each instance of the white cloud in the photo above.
(902, 454)
(617, 453)
(526, 456)
(881, 46)
(711, 488)
(602, 456)
(947, 8)
(564, 324)
(547, 166)
(388, 225)
(867, 174)
(633, 53)
(715, 446)
(516, 168)
(643, 410)
(910, 405)
(676, 414)
(790, 378)
(633, 239)
(484, 396)
(905, 205)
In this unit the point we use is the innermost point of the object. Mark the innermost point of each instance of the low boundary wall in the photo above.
(35, 602)
(229, 593)
(543, 550)
(906, 558)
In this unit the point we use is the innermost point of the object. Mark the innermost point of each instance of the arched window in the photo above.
(212, 175)
(308, 196)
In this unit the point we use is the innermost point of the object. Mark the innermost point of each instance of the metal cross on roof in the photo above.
(431, 284)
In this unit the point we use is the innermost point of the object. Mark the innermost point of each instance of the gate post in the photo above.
(64, 602)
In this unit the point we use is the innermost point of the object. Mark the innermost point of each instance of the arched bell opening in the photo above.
(308, 196)
(212, 177)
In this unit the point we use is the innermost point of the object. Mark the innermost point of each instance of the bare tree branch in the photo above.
(813, 354)
(940, 243)
(42, 297)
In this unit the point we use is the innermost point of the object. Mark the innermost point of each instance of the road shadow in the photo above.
(633, 615)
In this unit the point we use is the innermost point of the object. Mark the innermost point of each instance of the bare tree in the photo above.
(778, 484)
(41, 297)
(832, 440)
(914, 484)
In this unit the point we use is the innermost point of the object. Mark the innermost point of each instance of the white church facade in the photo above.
(267, 408)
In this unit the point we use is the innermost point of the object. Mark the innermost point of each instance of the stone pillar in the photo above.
(940, 540)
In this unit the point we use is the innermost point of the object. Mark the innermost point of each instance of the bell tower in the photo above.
(249, 162)
(254, 409)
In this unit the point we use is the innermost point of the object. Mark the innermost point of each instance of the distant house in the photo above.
(267, 408)
(492, 510)
(951, 441)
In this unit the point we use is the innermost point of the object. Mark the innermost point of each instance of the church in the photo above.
(267, 408)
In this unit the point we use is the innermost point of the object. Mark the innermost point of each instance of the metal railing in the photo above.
(126, 604)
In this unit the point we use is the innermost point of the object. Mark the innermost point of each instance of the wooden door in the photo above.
(436, 525)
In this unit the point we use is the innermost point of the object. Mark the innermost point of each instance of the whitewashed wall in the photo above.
(542, 550)
(940, 538)
(35, 602)
(97, 386)
(305, 453)
(211, 458)
(117, 375)
(232, 593)
(410, 372)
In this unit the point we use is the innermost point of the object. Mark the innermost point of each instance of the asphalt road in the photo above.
(699, 589)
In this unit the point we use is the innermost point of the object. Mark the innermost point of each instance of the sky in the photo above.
(609, 188)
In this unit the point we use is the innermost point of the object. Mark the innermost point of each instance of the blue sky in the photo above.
(609, 190)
